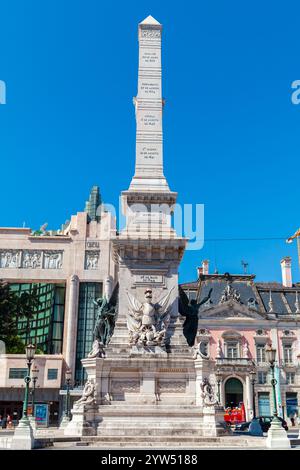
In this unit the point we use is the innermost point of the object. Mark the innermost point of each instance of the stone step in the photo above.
(176, 441)
(157, 431)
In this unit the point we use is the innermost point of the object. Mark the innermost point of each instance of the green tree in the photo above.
(13, 307)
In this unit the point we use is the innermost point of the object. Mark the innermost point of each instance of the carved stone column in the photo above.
(249, 399)
(71, 321)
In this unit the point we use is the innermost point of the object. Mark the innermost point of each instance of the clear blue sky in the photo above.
(231, 132)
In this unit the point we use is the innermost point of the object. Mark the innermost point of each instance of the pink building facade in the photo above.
(237, 319)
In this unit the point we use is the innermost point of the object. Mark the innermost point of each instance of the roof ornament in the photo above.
(271, 303)
(297, 305)
(230, 293)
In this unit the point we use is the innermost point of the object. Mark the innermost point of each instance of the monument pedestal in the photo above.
(23, 438)
(213, 422)
(277, 436)
(64, 422)
(83, 423)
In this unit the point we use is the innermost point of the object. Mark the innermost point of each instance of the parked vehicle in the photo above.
(244, 426)
(265, 422)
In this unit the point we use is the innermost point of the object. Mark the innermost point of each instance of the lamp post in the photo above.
(253, 381)
(34, 377)
(30, 351)
(23, 438)
(271, 358)
(68, 382)
(277, 436)
(218, 378)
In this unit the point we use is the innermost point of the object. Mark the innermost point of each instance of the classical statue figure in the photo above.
(207, 393)
(147, 322)
(230, 293)
(105, 323)
(97, 349)
(189, 309)
(88, 394)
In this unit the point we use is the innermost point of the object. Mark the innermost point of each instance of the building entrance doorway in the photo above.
(233, 393)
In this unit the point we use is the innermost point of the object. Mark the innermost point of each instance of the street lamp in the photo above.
(271, 358)
(218, 378)
(277, 436)
(30, 351)
(253, 381)
(34, 377)
(68, 377)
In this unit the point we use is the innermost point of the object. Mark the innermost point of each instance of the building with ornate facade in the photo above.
(237, 319)
(70, 268)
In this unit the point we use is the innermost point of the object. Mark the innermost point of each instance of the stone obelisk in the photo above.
(148, 110)
(148, 250)
(145, 390)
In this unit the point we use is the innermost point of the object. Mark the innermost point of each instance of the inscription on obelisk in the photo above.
(148, 108)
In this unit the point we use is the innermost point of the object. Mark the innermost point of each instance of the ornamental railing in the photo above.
(238, 361)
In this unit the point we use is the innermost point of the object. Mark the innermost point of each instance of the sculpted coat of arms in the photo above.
(147, 322)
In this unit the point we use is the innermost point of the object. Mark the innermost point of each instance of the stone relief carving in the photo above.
(31, 259)
(230, 293)
(97, 349)
(52, 259)
(91, 259)
(88, 395)
(10, 258)
(246, 350)
(148, 322)
(207, 393)
(178, 386)
(219, 349)
(128, 386)
(252, 303)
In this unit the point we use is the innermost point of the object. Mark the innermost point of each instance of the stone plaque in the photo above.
(122, 386)
(149, 279)
(178, 386)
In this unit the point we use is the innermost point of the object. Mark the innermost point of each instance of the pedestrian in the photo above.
(292, 420)
(4, 422)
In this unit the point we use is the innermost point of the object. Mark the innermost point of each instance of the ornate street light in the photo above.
(68, 376)
(34, 377)
(277, 436)
(253, 381)
(30, 352)
(271, 358)
(218, 378)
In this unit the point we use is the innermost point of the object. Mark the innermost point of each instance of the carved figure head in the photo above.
(148, 295)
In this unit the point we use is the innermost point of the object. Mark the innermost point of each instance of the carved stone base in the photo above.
(146, 350)
(23, 438)
(277, 436)
(213, 422)
(83, 423)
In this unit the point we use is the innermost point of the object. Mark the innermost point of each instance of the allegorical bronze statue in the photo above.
(107, 311)
(189, 309)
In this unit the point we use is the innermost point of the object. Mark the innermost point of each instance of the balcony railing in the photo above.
(238, 361)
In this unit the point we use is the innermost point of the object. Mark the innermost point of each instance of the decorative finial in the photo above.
(297, 305)
(271, 304)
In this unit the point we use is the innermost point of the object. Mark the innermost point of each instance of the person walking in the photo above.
(4, 422)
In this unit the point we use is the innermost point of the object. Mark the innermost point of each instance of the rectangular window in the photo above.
(232, 350)
(87, 315)
(290, 378)
(262, 377)
(260, 353)
(287, 353)
(15, 373)
(52, 374)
